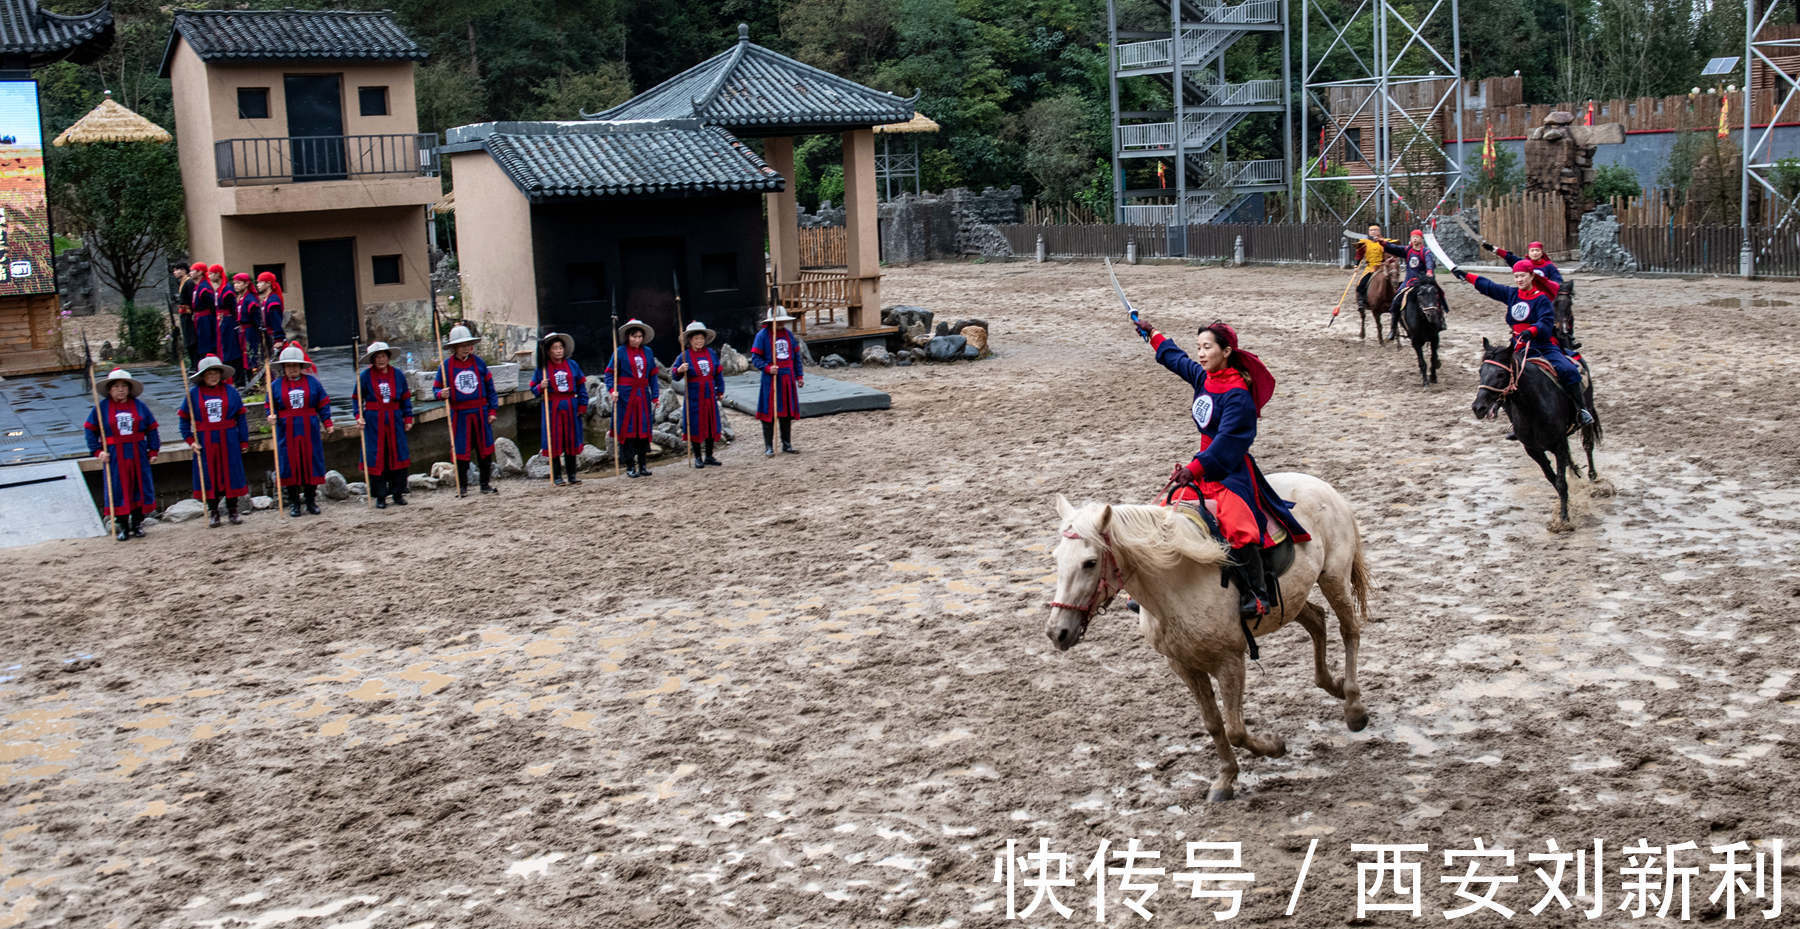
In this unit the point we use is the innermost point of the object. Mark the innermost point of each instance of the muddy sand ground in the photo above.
(816, 691)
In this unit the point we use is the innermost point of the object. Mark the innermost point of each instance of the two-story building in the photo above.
(301, 155)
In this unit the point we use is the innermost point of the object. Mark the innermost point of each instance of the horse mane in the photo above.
(1148, 538)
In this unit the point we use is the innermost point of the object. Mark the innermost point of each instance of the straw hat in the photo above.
(567, 340)
(697, 326)
(295, 355)
(212, 363)
(649, 333)
(460, 335)
(120, 374)
(373, 347)
(773, 318)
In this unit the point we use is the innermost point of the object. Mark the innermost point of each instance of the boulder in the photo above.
(962, 324)
(833, 361)
(260, 502)
(977, 337)
(877, 356)
(730, 361)
(970, 352)
(421, 482)
(336, 488)
(914, 322)
(591, 458)
(537, 468)
(666, 438)
(1603, 134)
(903, 360)
(1601, 249)
(358, 488)
(183, 511)
(507, 460)
(443, 471)
(946, 348)
(668, 406)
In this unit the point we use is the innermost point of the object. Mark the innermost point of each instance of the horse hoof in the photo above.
(1602, 488)
(1357, 719)
(1559, 524)
(1277, 750)
(1219, 795)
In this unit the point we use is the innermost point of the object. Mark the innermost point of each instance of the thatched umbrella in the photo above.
(111, 121)
(889, 167)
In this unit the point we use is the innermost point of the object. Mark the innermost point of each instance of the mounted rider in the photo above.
(1370, 253)
(1230, 388)
(1531, 313)
(1419, 264)
(1546, 269)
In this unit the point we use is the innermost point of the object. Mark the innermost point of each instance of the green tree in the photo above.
(568, 95)
(1064, 135)
(1507, 176)
(123, 199)
(1612, 182)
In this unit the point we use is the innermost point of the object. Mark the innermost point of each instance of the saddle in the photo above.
(1276, 560)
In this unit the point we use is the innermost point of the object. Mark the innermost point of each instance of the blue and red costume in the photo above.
(128, 431)
(301, 409)
(272, 308)
(206, 318)
(1419, 264)
(472, 400)
(1225, 411)
(216, 416)
(1531, 314)
(229, 337)
(705, 386)
(782, 371)
(568, 405)
(1545, 268)
(632, 375)
(383, 402)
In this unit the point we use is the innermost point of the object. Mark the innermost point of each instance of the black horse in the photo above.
(1565, 315)
(1422, 310)
(1541, 414)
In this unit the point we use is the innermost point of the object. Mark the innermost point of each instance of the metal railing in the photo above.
(1249, 173)
(1154, 53)
(1248, 93)
(1253, 12)
(289, 159)
(1143, 136)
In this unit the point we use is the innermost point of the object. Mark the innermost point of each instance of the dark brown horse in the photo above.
(1384, 282)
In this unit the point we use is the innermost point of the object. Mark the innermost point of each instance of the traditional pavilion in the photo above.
(30, 318)
(753, 92)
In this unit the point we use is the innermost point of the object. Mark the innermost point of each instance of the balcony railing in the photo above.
(295, 159)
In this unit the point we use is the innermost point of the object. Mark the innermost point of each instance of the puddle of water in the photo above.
(288, 915)
(534, 867)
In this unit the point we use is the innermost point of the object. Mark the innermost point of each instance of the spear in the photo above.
(274, 427)
(544, 381)
(193, 405)
(443, 376)
(613, 362)
(686, 445)
(362, 413)
(100, 421)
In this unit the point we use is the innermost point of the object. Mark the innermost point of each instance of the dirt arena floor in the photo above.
(816, 691)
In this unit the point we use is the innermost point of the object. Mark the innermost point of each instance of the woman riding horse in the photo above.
(1561, 294)
(1230, 388)
(1532, 316)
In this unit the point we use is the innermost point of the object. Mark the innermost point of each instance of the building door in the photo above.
(328, 284)
(315, 115)
(648, 267)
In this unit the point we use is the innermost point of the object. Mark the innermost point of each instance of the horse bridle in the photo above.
(1514, 372)
(1111, 576)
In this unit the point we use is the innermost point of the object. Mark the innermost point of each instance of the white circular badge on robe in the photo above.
(466, 382)
(1203, 409)
(297, 399)
(1520, 311)
(1413, 261)
(215, 409)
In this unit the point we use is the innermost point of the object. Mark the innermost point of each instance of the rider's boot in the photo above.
(1253, 597)
(1581, 408)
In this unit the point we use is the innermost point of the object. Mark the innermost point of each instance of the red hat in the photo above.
(268, 277)
(241, 276)
(1418, 232)
(1537, 245)
(1525, 265)
(199, 266)
(1262, 383)
(216, 269)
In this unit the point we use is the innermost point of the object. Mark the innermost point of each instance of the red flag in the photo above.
(1589, 119)
(1324, 156)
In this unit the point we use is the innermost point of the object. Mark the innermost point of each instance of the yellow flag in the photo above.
(1724, 115)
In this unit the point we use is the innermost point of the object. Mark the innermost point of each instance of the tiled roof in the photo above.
(754, 91)
(291, 35)
(557, 160)
(35, 37)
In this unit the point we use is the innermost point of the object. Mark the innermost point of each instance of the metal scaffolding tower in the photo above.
(1759, 155)
(1367, 81)
(1187, 60)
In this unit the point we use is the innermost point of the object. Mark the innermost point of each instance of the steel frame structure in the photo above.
(1380, 73)
(1758, 156)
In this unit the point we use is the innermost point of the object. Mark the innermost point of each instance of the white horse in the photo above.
(1173, 570)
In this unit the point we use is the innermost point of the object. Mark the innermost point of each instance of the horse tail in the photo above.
(1359, 576)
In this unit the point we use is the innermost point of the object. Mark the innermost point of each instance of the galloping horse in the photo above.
(1173, 569)
(1542, 416)
(1383, 284)
(1422, 310)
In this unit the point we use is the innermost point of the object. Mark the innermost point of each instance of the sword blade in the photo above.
(1130, 311)
(1437, 250)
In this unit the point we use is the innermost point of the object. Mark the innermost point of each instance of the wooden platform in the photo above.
(13, 364)
(816, 334)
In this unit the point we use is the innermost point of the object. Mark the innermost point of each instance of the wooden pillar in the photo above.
(784, 212)
(862, 236)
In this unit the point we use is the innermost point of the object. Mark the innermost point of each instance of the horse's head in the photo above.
(1431, 299)
(1497, 379)
(1087, 574)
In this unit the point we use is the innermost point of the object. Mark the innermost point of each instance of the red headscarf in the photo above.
(199, 266)
(1262, 383)
(217, 269)
(241, 276)
(268, 277)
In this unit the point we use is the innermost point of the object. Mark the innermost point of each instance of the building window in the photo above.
(387, 269)
(718, 272)
(278, 270)
(1353, 144)
(374, 100)
(253, 103)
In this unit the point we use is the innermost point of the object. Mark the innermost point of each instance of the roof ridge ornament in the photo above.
(743, 32)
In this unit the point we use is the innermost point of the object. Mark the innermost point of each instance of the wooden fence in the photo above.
(823, 247)
(1513, 220)
(1712, 249)
(1275, 242)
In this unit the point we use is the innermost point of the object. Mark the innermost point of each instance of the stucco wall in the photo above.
(275, 239)
(493, 243)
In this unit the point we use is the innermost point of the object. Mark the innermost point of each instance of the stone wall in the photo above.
(1600, 246)
(75, 282)
(827, 215)
(952, 224)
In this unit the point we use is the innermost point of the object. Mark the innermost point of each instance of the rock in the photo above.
(507, 460)
(183, 511)
(668, 406)
(421, 482)
(833, 361)
(1603, 134)
(946, 348)
(962, 324)
(903, 361)
(806, 354)
(1559, 118)
(976, 336)
(106, 350)
(970, 352)
(260, 502)
(877, 356)
(506, 377)
(942, 329)
(358, 489)
(666, 438)
(596, 388)
(591, 458)
(336, 488)
(914, 322)
(537, 468)
(730, 361)
(725, 426)
(443, 471)
(1600, 246)
(1459, 245)
(1553, 135)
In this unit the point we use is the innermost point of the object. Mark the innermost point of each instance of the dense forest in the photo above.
(1019, 86)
